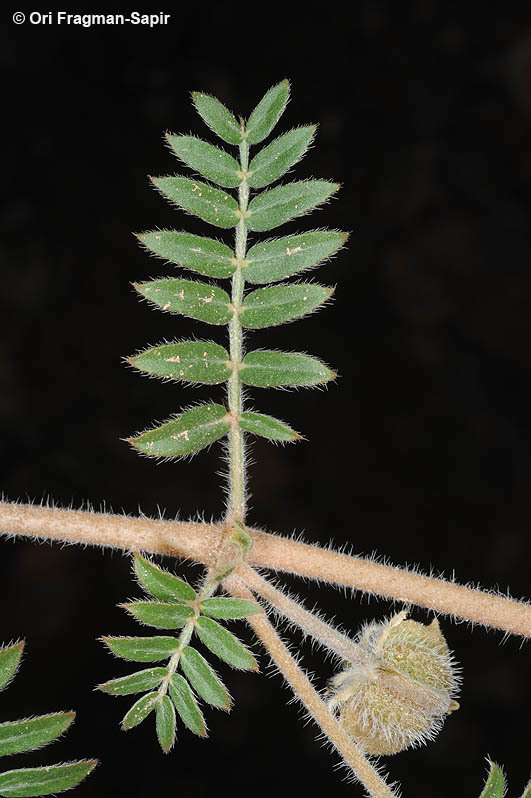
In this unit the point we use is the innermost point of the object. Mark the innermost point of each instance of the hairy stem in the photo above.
(236, 508)
(202, 543)
(320, 630)
(303, 688)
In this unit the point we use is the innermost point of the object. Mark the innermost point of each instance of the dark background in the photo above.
(420, 451)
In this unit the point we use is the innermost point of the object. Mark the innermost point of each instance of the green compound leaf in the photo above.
(142, 649)
(269, 369)
(139, 711)
(186, 705)
(224, 644)
(217, 117)
(31, 733)
(495, 785)
(9, 661)
(267, 427)
(162, 616)
(195, 361)
(278, 205)
(527, 791)
(267, 307)
(203, 679)
(166, 723)
(159, 583)
(197, 300)
(137, 682)
(27, 782)
(210, 204)
(267, 113)
(203, 255)
(190, 432)
(272, 261)
(214, 164)
(279, 156)
(222, 607)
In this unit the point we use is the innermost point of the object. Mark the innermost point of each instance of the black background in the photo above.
(419, 452)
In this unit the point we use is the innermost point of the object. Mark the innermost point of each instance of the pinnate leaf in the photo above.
(203, 255)
(267, 427)
(140, 710)
(27, 782)
(31, 733)
(137, 682)
(142, 649)
(277, 304)
(278, 205)
(225, 607)
(279, 156)
(211, 162)
(271, 261)
(217, 117)
(224, 644)
(197, 300)
(160, 583)
(269, 369)
(210, 204)
(162, 616)
(190, 432)
(186, 705)
(495, 785)
(194, 361)
(203, 679)
(9, 661)
(267, 113)
(165, 723)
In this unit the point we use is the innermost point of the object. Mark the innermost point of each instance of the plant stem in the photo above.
(323, 632)
(304, 690)
(236, 507)
(202, 543)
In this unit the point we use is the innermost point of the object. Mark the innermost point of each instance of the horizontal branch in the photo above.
(201, 543)
(389, 581)
(195, 541)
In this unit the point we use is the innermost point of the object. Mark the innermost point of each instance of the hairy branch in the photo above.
(353, 757)
(201, 542)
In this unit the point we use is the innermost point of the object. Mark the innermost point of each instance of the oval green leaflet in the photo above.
(267, 427)
(203, 255)
(160, 583)
(224, 644)
(197, 300)
(277, 304)
(210, 204)
(140, 710)
(278, 205)
(10, 657)
(279, 156)
(193, 361)
(211, 162)
(271, 261)
(186, 705)
(203, 679)
(26, 782)
(159, 614)
(217, 117)
(165, 723)
(137, 682)
(267, 113)
(190, 432)
(270, 369)
(30, 733)
(142, 649)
